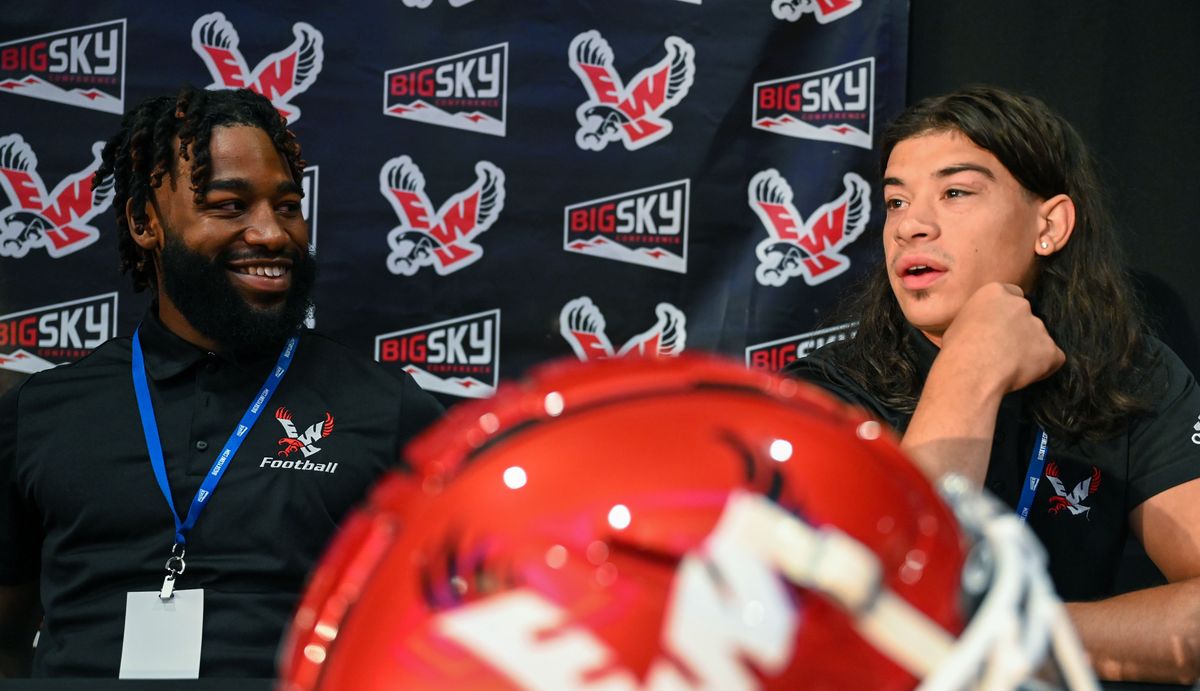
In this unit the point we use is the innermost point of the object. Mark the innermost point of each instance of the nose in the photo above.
(266, 230)
(917, 223)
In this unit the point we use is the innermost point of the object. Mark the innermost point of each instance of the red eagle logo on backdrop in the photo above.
(56, 222)
(293, 440)
(825, 10)
(583, 326)
(796, 248)
(280, 76)
(1072, 502)
(632, 114)
(443, 239)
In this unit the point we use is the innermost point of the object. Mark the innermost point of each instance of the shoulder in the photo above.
(109, 359)
(330, 364)
(826, 369)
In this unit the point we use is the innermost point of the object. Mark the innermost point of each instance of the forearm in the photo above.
(1147, 635)
(952, 427)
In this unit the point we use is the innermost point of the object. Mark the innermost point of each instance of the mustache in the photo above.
(256, 254)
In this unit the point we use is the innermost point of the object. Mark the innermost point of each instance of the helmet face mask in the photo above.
(644, 524)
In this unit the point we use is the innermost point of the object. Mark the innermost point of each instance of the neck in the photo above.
(176, 323)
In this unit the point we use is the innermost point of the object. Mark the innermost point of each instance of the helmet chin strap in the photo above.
(1005, 642)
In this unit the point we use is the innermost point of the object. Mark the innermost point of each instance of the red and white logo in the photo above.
(632, 114)
(280, 76)
(442, 240)
(711, 590)
(1072, 502)
(56, 222)
(293, 440)
(773, 356)
(824, 10)
(833, 105)
(467, 91)
(648, 227)
(796, 248)
(43, 337)
(582, 325)
(459, 357)
(83, 66)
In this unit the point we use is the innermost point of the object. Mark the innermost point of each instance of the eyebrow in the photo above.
(243, 185)
(948, 171)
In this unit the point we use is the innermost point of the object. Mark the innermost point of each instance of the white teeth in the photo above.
(265, 271)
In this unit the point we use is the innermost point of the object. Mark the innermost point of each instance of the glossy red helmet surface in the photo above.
(633, 524)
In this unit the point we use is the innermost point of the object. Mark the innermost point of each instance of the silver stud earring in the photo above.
(1045, 245)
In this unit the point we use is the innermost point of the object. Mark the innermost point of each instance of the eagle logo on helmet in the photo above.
(630, 113)
(443, 239)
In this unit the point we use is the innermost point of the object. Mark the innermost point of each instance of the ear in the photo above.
(146, 235)
(1057, 218)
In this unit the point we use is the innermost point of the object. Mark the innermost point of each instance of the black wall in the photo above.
(1124, 73)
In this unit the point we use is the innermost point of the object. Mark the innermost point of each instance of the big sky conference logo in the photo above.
(775, 355)
(583, 326)
(833, 105)
(632, 114)
(43, 337)
(56, 221)
(280, 76)
(467, 91)
(441, 239)
(647, 227)
(83, 66)
(811, 249)
(459, 357)
(824, 10)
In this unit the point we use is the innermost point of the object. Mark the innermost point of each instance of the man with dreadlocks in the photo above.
(109, 467)
(1000, 339)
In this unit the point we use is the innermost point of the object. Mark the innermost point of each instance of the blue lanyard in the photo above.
(1037, 461)
(154, 444)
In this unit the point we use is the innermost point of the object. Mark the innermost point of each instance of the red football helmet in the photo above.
(673, 524)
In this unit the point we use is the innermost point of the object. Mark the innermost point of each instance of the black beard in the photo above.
(205, 296)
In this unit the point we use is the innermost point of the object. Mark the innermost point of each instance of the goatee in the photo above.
(204, 294)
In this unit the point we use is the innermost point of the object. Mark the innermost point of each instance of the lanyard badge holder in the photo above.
(163, 630)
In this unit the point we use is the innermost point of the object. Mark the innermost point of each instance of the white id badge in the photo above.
(162, 638)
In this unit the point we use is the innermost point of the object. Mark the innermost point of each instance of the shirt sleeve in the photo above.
(820, 369)
(1164, 445)
(20, 527)
(418, 410)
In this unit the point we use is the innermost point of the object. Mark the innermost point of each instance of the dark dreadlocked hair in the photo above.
(144, 150)
(1082, 293)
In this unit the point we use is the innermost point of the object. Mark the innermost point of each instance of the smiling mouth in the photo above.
(263, 271)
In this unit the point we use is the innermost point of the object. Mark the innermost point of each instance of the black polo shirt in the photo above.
(1081, 515)
(81, 511)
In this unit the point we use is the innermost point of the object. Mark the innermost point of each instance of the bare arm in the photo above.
(995, 345)
(19, 617)
(1153, 634)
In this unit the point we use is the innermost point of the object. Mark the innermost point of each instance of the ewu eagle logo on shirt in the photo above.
(293, 440)
(55, 221)
(281, 76)
(1081, 492)
(441, 239)
(630, 113)
(810, 249)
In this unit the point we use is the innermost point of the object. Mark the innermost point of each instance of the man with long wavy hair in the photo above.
(1000, 338)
